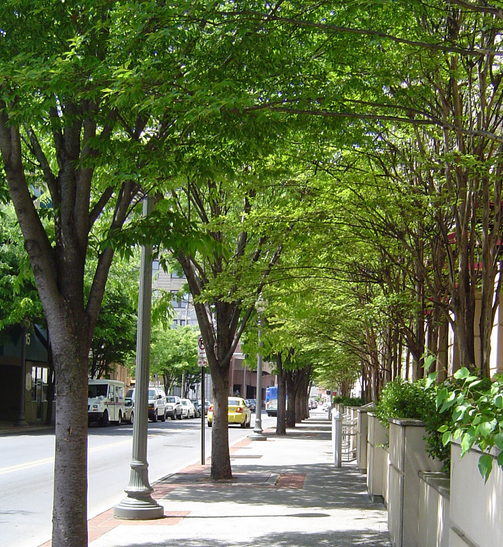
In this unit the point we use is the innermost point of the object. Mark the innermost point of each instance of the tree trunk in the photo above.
(70, 469)
(291, 392)
(220, 456)
(281, 419)
(58, 268)
(51, 384)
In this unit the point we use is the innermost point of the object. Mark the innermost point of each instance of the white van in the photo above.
(105, 401)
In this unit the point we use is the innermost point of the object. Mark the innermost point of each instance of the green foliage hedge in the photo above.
(349, 401)
(415, 400)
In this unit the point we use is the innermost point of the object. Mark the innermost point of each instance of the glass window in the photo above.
(39, 380)
(97, 390)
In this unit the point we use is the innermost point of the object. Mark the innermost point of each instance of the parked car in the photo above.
(197, 404)
(173, 407)
(156, 403)
(129, 410)
(252, 404)
(197, 408)
(238, 412)
(188, 410)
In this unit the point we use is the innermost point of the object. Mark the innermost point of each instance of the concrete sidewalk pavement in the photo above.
(286, 492)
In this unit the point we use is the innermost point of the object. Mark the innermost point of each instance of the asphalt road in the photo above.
(27, 462)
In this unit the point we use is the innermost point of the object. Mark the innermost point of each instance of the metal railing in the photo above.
(344, 432)
(349, 432)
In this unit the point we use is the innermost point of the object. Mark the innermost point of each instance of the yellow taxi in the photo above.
(238, 412)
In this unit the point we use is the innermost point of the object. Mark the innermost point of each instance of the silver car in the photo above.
(173, 407)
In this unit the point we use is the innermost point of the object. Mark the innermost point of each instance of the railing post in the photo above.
(337, 438)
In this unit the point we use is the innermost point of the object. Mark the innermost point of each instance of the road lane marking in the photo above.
(27, 465)
(36, 463)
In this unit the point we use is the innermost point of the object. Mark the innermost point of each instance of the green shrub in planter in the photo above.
(415, 400)
(473, 410)
(349, 401)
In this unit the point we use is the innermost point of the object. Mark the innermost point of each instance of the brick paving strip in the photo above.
(193, 475)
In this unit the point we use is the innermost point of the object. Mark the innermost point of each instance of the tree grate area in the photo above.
(238, 479)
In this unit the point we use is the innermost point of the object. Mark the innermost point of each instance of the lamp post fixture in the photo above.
(139, 503)
(258, 434)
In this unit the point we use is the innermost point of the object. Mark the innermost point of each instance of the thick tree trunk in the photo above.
(58, 268)
(220, 456)
(70, 470)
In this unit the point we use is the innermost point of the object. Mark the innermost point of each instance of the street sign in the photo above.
(201, 352)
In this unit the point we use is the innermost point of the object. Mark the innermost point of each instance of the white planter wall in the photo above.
(377, 459)
(476, 507)
(434, 509)
(362, 439)
(408, 456)
(427, 508)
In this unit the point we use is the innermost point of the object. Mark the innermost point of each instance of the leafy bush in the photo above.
(349, 401)
(403, 399)
(474, 408)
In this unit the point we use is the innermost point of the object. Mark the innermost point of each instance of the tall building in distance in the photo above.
(175, 283)
(242, 380)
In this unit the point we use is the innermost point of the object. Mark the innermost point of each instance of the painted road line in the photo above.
(36, 463)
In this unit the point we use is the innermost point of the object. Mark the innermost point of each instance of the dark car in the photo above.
(251, 404)
(197, 406)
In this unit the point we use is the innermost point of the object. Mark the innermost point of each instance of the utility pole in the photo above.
(139, 504)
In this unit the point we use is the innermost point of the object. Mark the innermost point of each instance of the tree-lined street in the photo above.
(341, 163)
(27, 466)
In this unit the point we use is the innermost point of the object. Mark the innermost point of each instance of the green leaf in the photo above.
(427, 365)
(467, 441)
(498, 440)
(485, 466)
(446, 438)
(458, 413)
(442, 394)
(484, 429)
(462, 373)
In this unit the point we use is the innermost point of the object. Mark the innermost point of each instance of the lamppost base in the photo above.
(138, 509)
(257, 436)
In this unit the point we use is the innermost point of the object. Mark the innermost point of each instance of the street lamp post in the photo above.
(139, 504)
(258, 434)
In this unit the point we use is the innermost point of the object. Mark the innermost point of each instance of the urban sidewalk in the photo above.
(286, 492)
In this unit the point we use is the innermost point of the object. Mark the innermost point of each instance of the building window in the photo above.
(178, 300)
(39, 379)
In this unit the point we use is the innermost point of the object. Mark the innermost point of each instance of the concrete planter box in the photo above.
(476, 507)
(377, 459)
(434, 509)
(408, 456)
(362, 439)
